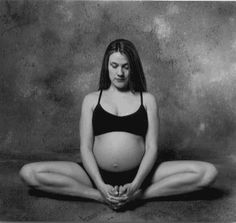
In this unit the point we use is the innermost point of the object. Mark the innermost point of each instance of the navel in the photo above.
(115, 165)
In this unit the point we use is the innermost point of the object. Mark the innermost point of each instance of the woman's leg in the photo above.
(178, 177)
(60, 177)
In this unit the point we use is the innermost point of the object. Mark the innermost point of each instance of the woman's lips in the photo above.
(120, 79)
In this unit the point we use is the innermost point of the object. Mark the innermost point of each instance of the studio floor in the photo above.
(17, 203)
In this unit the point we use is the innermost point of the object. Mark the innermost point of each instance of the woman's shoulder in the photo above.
(91, 98)
(149, 99)
(92, 95)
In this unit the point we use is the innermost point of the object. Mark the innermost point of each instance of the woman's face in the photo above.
(119, 70)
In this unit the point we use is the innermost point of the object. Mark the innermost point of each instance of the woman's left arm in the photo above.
(151, 142)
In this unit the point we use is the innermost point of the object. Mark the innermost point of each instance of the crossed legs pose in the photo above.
(69, 178)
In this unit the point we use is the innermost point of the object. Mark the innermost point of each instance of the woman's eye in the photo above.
(114, 66)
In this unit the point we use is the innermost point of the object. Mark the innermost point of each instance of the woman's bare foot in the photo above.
(99, 198)
(120, 205)
(123, 204)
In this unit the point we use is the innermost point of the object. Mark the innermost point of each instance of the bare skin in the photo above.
(118, 151)
(124, 152)
(68, 178)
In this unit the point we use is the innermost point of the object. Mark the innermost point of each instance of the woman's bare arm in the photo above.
(151, 141)
(86, 148)
(87, 140)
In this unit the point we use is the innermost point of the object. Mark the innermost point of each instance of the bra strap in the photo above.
(141, 96)
(100, 95)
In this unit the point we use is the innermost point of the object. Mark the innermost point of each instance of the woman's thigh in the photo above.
(169, 168)
(66, 168)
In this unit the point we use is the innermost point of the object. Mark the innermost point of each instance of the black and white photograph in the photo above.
(117, 111)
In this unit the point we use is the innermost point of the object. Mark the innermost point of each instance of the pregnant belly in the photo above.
(118, 151)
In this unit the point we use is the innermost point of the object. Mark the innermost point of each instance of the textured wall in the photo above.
(51, 54)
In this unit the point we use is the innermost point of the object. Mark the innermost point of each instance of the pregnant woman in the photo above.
(118, 143)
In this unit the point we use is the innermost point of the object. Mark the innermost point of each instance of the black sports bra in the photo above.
(135, 123)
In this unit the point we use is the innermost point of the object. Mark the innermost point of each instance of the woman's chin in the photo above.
(123, 88)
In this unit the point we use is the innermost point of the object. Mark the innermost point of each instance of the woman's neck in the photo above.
(115, 90)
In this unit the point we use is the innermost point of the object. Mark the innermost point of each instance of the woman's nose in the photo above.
(120, 72)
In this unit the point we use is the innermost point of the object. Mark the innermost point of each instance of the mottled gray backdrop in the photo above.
(51, 54)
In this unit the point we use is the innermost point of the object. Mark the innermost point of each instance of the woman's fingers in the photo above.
(120, 190)
(114, 191)
(116, 199)
(125, 195)
(124, 190)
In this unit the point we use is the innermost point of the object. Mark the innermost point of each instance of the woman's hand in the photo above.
(129, 192)
(111, 195)
(108, 192)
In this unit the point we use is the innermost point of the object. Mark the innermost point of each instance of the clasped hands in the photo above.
(118, 196)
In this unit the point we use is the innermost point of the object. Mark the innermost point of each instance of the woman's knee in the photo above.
(209, 174)
(27, 174)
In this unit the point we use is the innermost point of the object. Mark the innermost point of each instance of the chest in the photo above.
(120, 106)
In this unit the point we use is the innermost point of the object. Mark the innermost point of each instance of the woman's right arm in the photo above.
(87, 140)
(86, 148)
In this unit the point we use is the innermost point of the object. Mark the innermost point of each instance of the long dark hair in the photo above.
(137, 81)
